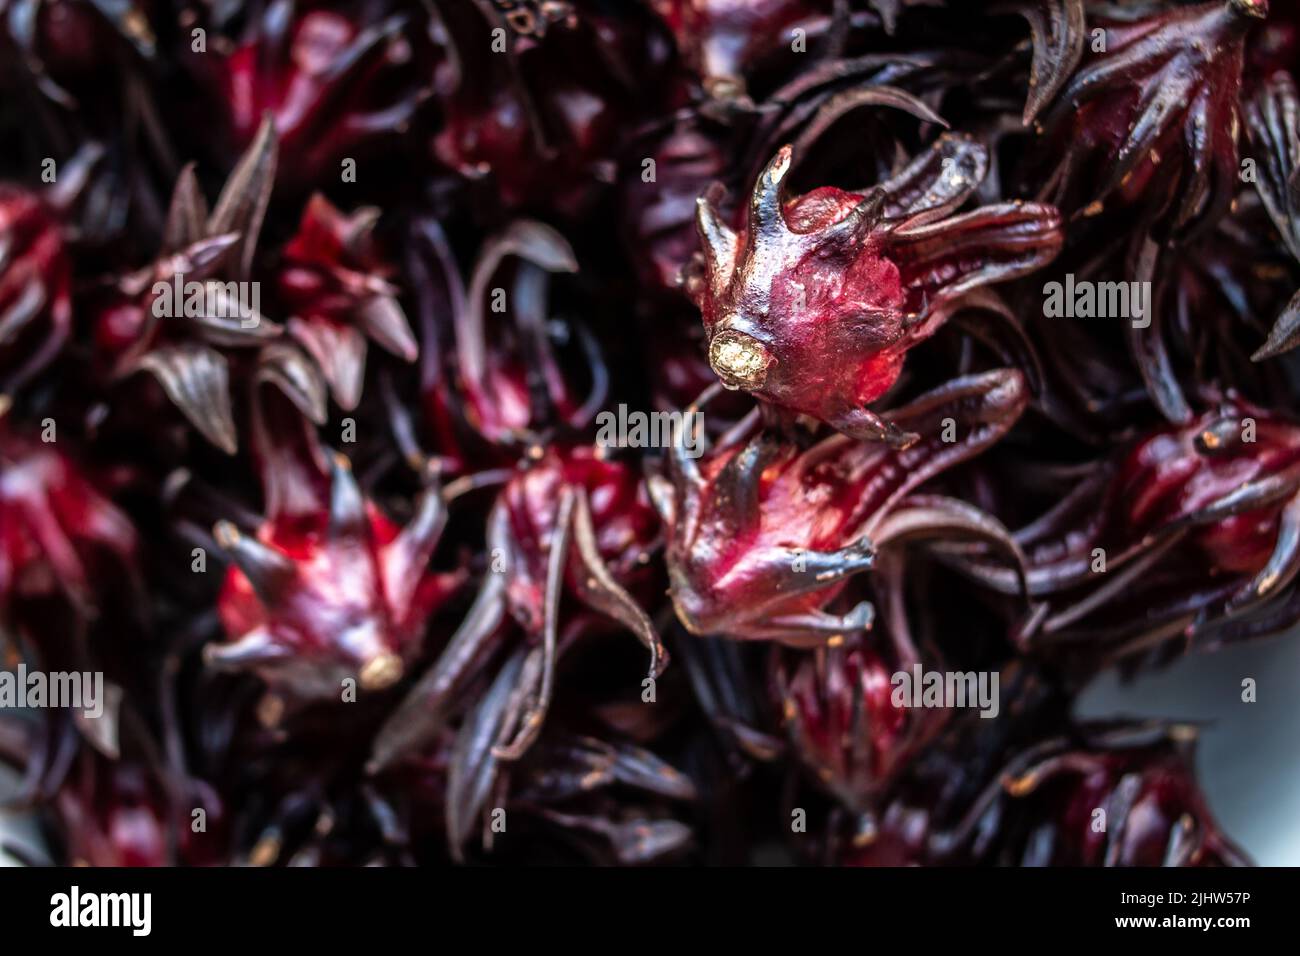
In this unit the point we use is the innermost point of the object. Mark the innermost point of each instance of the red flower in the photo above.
(764, 534)
(503, 387)
(1127, 804)
(1102, 795)
(723, 40)
(569, 521)
(336, 286)
(837, 703)
(814, 304)
(328, 588)
(35, 284)
(542, 118)
(1150, 122)
(332, 87)
(59, 535)
(184, 349)
(1195, 524)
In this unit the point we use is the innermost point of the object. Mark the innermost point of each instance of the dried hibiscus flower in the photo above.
(35, 295)
(328, 588)
(337, 289)
(175, 317)
(1150, 119)
(538, 116)
(123, 813)
(502, 386)
(813, 305)
(840, 713)
(1127, 797)
(569, 522)
(733, 333)
(763, 534)
(59, 534)
(36, 272)
(332, 86)
(1102, 795)
(1199, 520)
(1273, 125)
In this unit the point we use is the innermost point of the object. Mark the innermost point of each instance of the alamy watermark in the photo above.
(1098, 300)
(74, 690)
(75, 908)
(950, 689)
(209, 299)
(636, 429)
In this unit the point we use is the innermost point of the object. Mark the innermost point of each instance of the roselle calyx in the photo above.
(334, 86)
(35, 296)
(186, 353)
(540, 122)
(1138, 782)
(838, 708)
(36, 271)
(504, 386)
(763, 534)
(338, 289)
(813, 305)
(569, 521)
(1196, 522)
(327, 588)
(723, 40)
(1151, 122)
(60, 536)
(1103, 794)
(68, 46)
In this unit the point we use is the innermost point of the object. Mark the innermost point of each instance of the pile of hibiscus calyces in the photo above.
(975, 319)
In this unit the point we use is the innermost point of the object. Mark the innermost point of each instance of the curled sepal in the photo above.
(935, 517)
(474, 759)
(196, 378)
(519, 734)
(610, 789)
(339, 352)
(942, 260)
(513, 385)
(578, 765)
(241, 207)
(938, 180)
(633, 841)
(1284, 334)
(598, 588)
(422, 713)
(290, 371)
(1056, 28)
(1273, 125)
